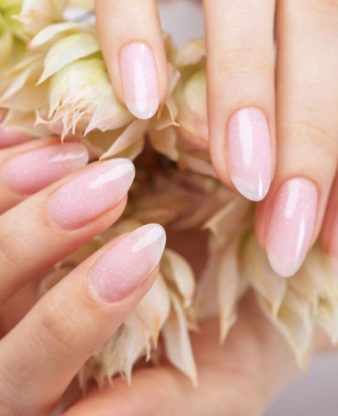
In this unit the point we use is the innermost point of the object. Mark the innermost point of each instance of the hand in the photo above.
(242, 92)
(47, 341)
(238, 378)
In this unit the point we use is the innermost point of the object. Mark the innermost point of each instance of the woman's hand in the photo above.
(45, 342)
(243, 96)
(238, 378)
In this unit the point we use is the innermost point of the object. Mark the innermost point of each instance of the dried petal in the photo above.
(264, 280)
(153, 310)
(66, 51)
(178, 271)
(177, 341)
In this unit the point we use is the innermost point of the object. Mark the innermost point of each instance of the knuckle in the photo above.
(55, 328)
(8, 395)
(318, 9)
(321, 139)
(8, 253)
(244, 61)
(326, 5)
(14, 249)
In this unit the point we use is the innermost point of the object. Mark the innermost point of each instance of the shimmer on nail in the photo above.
(128, 263)
(91, 194)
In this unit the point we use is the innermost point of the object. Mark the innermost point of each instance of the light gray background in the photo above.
(313, 394)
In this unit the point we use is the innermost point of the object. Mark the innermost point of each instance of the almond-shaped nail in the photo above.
(128, 263)
(31, 171)
(139, 79)
(292, 225)
(9, 137)
(249, 153)
(90, 194)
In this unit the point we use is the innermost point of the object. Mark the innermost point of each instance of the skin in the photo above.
(254, 361)
(254, 364)
(51, 337)
(240, 42)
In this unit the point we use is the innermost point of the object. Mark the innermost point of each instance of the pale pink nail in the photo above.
(9, 137)
(91, 194)
(249, 153)
(29, 172)
(292, 225)
(139, 79)
(128, 263)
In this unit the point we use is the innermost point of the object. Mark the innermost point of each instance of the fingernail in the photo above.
(249, 153)
(91, 194)
(292, 225)
(10, 137)
(128, 263)
(32, 171)
(139, 79)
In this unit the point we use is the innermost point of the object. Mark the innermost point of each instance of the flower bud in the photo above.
(81, 99)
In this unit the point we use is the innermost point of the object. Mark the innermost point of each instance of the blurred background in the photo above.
(311, 394)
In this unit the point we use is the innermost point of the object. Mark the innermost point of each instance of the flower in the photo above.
(81, 99)
(166, 311)
(37, 14)
(54, 80)
(12, 36)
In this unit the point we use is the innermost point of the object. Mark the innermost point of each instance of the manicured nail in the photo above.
(128, 263)
(292, 225)
(91, 194)
(29, 172)
(10, 137)
(139, 79)
(249, 153)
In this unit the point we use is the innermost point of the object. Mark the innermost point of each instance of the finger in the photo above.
(47, 227)
(30, 167)
(330, 226)
(132, 43)
(9, 137)
(242, 367)
(240, 65)
(290, 219)
(74, 319)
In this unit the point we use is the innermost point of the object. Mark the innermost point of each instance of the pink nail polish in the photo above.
(292, 225)
(10, 137)
(33, 170)
(139, 79)
(249, 153)
(91, 194)
(128, 263)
